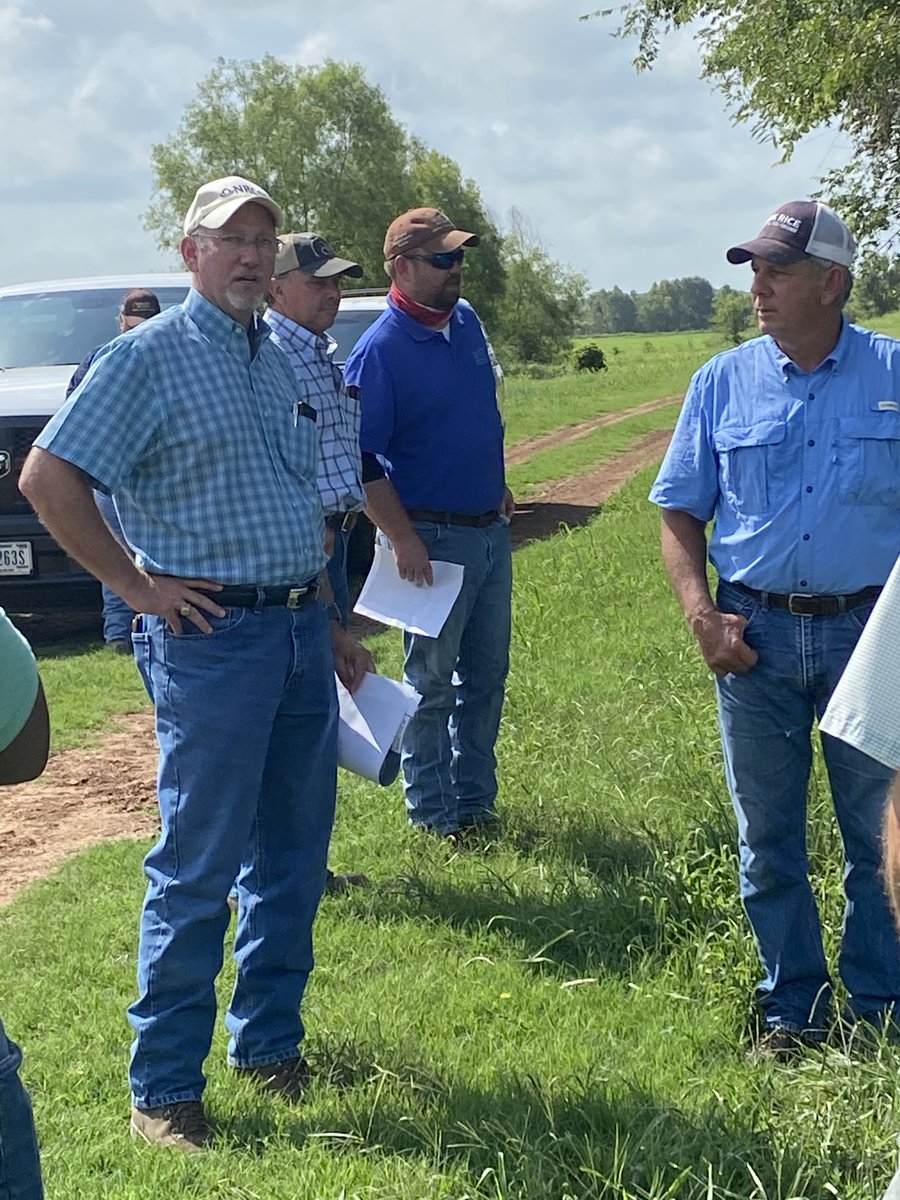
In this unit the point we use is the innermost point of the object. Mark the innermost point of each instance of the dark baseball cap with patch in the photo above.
(425, 229)
(140, 302)
(310, 252)
(796, 230)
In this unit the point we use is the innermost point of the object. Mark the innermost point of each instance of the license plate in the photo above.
(15, 558)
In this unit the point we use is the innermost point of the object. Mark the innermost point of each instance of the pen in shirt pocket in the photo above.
(302, 409)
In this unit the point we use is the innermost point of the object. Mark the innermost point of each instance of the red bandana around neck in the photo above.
(434, 318)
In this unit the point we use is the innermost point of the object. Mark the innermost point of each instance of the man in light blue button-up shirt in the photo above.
(790, 444)
(195, 422)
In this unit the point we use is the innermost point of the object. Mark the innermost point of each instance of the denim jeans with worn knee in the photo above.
(766, 716)
(20, 1167)
(246, 719)
(448, 762)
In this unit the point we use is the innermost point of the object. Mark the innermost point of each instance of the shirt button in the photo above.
(806, 537)
(803, 583)
(809, 489)
(811, 396)
(811, 442)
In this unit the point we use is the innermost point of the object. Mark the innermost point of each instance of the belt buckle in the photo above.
(296, 596)
(799, 612)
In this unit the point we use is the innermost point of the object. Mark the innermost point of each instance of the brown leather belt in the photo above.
(451, 518)
(345, 521)
(247, 595)
(800, 604)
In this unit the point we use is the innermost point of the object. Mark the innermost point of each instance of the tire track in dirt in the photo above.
(109, 791)
(573, 433)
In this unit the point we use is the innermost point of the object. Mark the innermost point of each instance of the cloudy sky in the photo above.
(626, 178)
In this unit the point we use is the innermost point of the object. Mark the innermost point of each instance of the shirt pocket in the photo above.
(868, 459)
(746, 466)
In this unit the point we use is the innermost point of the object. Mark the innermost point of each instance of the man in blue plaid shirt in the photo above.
(195, 422)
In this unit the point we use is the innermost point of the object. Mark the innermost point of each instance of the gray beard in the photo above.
(243, 303)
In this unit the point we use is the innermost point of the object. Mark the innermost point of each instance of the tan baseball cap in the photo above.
(218, 201)
(425, 229)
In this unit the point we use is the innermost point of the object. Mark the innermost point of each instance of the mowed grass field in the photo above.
(641, 367)
(563, 1015)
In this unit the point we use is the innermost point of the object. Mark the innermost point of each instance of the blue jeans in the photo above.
(766, 717)
(20, 1167)
(246, 720)
(117, 615)
(337, 575)
(448, 762)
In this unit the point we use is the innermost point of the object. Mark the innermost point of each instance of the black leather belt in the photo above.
(451, 518)
(345, 521)
(247, 595)
(800, 604)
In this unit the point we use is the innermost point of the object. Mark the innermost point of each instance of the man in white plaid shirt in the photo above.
(304, 296)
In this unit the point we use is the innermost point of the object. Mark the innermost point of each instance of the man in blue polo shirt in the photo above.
(213, 467)
(791, 444)
(427, 384)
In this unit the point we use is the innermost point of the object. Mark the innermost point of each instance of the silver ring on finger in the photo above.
(185, 609)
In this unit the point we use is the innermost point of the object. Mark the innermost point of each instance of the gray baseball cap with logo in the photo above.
(310, 252)
(797, 230)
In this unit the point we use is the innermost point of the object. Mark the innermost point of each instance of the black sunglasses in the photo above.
(443, 261)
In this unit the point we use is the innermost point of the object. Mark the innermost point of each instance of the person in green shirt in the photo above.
(24, 746)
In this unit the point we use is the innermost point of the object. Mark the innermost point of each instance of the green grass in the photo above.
(641, 367)
(563, 1015)
(87, 687)
(587, 452)
(888, 323)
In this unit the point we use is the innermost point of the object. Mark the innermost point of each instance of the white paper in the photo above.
(394, 601)
(372, 721)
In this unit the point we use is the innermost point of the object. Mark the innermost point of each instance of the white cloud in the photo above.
(627, 178)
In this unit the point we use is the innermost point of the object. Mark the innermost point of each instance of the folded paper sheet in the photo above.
(372, 723)
(394, 601)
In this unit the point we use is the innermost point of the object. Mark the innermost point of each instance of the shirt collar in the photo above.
(418, 331)
(297, 335)
(833, 360)
(218, 326)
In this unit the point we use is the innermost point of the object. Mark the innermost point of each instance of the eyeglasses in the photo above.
(443, 261)
(232, 243)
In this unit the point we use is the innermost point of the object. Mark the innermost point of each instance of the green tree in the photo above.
(438, 182)
(611, 311)
(788, 67)
(541, 302)
(323, 141)
(675, 304)
(732, 313)
(876, 289)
